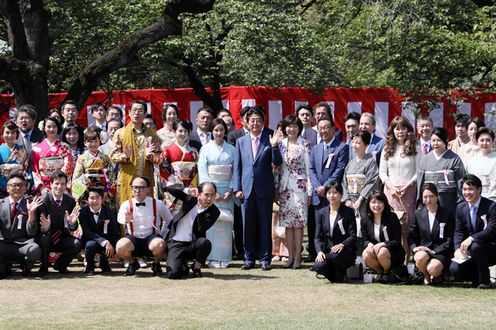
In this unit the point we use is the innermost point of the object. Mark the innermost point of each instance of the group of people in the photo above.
(206, 195)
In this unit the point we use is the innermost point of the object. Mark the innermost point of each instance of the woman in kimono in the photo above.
(50, 155)
(92, 167)
(360, 178)
(13, 157)
(443, 168)
(294, 187)
(398, 172)
(215, 165)
(484, 164)
(179, 162)
(73, 135)
(166, 133)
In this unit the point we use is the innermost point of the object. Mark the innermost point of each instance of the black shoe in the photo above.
(310, 258)
(196, 271)
(484, 286)
(132, 268)
(247, 266)
(156, 269)
(266, 267)
(42, 272)
(106, 269)
(3, 275)
(61, 270)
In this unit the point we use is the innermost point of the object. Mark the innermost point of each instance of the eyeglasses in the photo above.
(16, 185)
(139, 188)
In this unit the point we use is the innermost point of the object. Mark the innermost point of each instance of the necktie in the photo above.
(13, 211)
(140, 204)
(425, 149)
(58, 206)
(55, 238)
(27, 142)
(473, 217)
(254, 146)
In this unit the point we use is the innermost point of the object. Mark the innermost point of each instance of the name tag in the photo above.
(105, 226)
(19, 221)
(384, 231)
(341, 227)
(329, 159)
(441, 229)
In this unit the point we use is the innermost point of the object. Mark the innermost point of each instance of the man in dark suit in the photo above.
(327, 163)
(351, 123)
(59, 215)
(25, 118)
(100, 231)
(475, 235)
(305, 114)
(187, 236)
(18, 226)
(202, 135)
(253, 183)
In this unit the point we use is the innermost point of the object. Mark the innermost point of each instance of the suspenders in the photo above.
(131, 209)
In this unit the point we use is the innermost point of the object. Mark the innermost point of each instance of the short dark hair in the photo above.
(203, 184)
(244, 110)
(116, 108)
(485, 130)
(462, 118)
(289, 120)
(69, 102)
(207, 109)
(92, 133)
(79, 129)
(224, 110)
(98, 105)
(166, 107)
(472, 181)
(183, 123)
(381, 197)
(219, 121)
(141, 102)
(328, 119)
(11, 126)
(58, 175)
(364, 135)
(335, 185)
(144, 178)
(29, 109)
(54, 120)
(257, 110)
(112, 120)
(325, 105)
(303, 107)
(441, 133)
(98, 190)
(352, 115)
(18, 176)
(149, 116)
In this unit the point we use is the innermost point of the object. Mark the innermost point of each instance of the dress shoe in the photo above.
(310, 258)
(106, 269)
(266, 266)
(196, 271)
(247, 266)
(288, 264)
(484, 286)
(90, 273)
(61, 270)
(156, 269)
(42, 272)
(132, 268)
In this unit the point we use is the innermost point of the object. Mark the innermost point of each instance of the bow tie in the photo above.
(140, 204)
(96, 213)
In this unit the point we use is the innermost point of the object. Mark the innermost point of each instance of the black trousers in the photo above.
(335, 264)
(91, 248)
(311, 231)
(181, 252)
(238, 231)
(476, 269)
(68, 246)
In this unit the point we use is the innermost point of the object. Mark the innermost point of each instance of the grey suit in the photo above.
(17, 236)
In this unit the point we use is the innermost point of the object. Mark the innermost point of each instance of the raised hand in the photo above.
(72, 218)
(274, 139)
(45, 222)
(34, 204)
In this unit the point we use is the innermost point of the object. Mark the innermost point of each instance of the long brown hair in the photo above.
(391, 142)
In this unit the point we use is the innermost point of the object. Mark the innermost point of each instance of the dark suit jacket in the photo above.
(194, 140)
(310, 135)
(487, 210)
(393, 229)
(36, 137)
(249, 175)
(57, 219)
(203, 221)
(95, 231)
(323, 239)
(421, 235)
(375, 147)
(9, 231)
(322, 176)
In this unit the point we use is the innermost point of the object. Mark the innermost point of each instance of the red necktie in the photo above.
(13, 211)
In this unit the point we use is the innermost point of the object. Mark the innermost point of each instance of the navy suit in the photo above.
(255, 179)
(375, 147)
(483, 248)
(323, 172)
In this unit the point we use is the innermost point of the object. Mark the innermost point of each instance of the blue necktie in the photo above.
(473, 217)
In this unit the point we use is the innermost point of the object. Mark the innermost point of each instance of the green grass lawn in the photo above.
(233, 298)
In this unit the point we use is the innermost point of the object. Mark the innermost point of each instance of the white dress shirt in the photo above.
(184, 229)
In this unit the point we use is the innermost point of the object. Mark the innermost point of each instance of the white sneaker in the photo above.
(214, 264)
(126, 263)
(276, 258)
(224, 264)
(142, 262)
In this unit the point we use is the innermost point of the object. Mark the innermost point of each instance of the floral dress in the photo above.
(293, 183)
